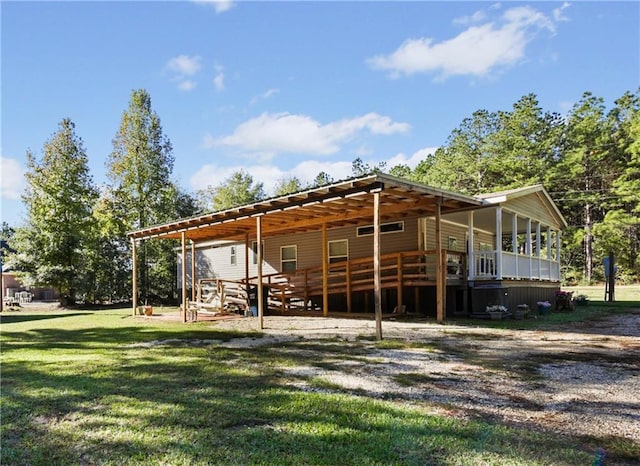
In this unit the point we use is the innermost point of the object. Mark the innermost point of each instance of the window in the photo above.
(288, 258)
(452, 244)
(233, 255)
(393, 227)
(338, 251)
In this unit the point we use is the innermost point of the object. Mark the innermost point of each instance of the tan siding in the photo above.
(448, 230)
(534, 207)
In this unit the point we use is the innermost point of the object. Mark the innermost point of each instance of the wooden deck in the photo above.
(303, 290)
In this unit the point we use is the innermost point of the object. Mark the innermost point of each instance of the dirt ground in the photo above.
(582, 379)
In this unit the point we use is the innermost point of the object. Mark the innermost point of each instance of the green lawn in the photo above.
(79, 388)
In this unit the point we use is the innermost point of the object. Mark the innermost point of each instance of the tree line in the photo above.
(74, 238)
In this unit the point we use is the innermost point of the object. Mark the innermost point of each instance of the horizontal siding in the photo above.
(450, 230)
(534, 208)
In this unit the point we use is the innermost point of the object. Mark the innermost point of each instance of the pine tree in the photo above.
(60, 195)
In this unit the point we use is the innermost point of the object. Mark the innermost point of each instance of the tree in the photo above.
(142, 193)
(287, 186)
(238, 189)
(322, 179)
(584, 172)
(464, 163)
(359, 168)
(60, 194)
(620, 229)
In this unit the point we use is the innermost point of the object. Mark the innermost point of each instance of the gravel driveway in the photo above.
(582, 379)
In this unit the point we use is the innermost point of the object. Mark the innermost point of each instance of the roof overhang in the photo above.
(339, 204)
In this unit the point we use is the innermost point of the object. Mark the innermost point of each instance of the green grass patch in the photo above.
(78, 388)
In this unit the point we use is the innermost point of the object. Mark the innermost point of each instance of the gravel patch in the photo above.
(582, 379)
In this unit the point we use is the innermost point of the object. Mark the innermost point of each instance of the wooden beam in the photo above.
(260, 290)
(193, 271)
(499, 243)
(440, 314)
(348, 278)
(184, 277)
(377, 291)
(325, 272)
(134, 276)
(400, 280)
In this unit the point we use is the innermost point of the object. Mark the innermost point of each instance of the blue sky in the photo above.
(295, 88)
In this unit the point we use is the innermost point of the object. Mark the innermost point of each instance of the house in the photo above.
(375, 244)
(14, 292)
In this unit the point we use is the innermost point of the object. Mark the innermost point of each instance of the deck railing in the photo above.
(397, 270)
(516, 266)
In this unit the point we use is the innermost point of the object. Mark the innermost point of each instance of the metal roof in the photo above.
(347, 202)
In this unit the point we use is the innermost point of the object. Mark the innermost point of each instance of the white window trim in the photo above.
(234, 255)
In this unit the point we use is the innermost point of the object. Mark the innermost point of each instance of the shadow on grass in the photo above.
(207, 408)
(17, 318)
(101, 337)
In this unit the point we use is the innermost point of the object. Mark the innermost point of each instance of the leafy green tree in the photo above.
(287, 186)
(584, 172)
(142, 193)
(360, 168)
(322, 179)
(401, 171)
(237, 190)
(619, 231)
(464, 163)
(51, 247)
(6, 235)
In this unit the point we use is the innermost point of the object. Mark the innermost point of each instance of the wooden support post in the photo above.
(348, 272)
(514, 241)
(377, 287)
(306, 289)
(260, 290)
(440, 283)
(529, 248)
(399, 278)
(538, 252)
(246, 261)
(499, 243)
(470, 247)
(325, 272)
(134, 275)
(193, 271)
(184, 276)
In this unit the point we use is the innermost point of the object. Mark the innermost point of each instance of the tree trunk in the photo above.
(588, 244)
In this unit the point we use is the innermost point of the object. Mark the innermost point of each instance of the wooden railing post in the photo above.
(399, 278)
(348, 272)
(325, 272)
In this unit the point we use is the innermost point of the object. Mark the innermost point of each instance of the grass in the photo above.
(78, 389)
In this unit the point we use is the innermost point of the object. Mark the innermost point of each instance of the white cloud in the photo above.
(218, 81)
(186, 85)
(11, 178)
(268, 175)
(558, 13)
(219, 5)
(284, 132)
(413, 160)
(184, 65)
(477, 17)
(265, 95)
(476, 51)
